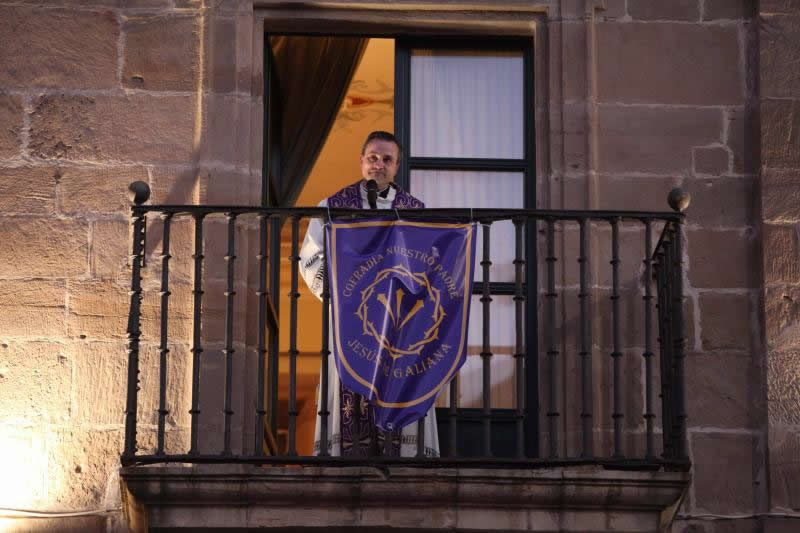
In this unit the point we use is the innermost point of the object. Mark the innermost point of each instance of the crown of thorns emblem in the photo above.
(400, 315)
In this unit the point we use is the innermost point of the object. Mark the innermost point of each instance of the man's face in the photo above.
(380, 162)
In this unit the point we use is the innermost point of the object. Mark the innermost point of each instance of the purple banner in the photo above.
(400, 295)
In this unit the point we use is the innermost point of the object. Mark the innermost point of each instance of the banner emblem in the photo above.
(400, 296)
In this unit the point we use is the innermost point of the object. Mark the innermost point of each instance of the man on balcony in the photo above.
(351, 429)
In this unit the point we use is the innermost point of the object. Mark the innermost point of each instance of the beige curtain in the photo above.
(313, 76)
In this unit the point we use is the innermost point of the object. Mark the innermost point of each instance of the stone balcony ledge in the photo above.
(576, 498)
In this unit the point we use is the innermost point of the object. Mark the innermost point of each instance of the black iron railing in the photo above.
(568, 434)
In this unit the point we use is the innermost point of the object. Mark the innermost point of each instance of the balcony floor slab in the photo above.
(582, 498)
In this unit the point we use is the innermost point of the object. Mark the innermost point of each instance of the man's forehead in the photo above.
(379, 146)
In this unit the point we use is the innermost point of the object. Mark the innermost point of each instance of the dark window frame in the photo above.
(527, 166)
(502, 418)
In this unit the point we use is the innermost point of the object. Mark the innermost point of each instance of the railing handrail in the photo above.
(478, 214)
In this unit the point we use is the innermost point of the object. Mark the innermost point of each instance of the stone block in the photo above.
(572, 9)
(99, 4)
(781, 253)
(722, 202)
(719, 488)
(713, 160)
(175, 185)
(221, 54)
(779, 42)
(27, 190)
(101, 373)
(100, 309)
(685, 525)
(778, 191)
(653, 140)
(11, 116)
(777, 525)
(725, 321)
(131, 127)
(181, 249)
(742, 136)
(728, 9)
(43, 247)
(33, 308)
(771, 7)
(24, 460)
(178, 390)
(639, 193)
(723, 258)
(85, 58)
(110, 249)
(783, 387)
(83, 466)
(161, 52)
(226, 130)
(627, 71)
(215, 312)
(784, 467)
(723, 391)
(615, 9)
(782, 316)
(684, 10)
(85, 524)
(256, 148)
(223, 187)
(97, 190)
(573, 80)
(780, 147)
(35, 382)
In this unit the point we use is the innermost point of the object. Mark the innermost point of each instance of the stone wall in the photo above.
(646, 96)
(780, 214)
(642, 95)
(95, 94)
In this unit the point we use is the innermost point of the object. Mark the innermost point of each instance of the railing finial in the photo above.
(139, 192)
(679, 199)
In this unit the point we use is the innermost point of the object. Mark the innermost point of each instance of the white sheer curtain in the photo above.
(466, 104)
(469, 105)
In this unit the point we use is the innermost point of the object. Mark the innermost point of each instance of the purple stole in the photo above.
(360, 436)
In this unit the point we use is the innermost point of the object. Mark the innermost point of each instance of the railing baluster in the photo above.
(680, 341)
(163, 346)
(666, 344)
(486, 354)
(616, 354)
(519, 343)
(230, 259)
(293, 296)
(421, 437)
(586, 390)
(452, 421)
(324, 353)
(648, 338)
(134, 334)
(274, 360)
(197, 348)
(262, 342)
(552, 352)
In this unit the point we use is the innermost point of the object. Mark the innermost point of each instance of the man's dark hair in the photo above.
(382, 136)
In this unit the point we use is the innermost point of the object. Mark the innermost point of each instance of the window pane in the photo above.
(503, 371)
(466, 104)
(450, 188)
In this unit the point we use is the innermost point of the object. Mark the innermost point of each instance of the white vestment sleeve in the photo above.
(312, 260)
